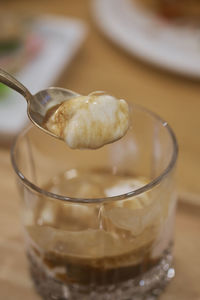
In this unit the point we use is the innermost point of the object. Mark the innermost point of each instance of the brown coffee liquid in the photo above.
(93, 243)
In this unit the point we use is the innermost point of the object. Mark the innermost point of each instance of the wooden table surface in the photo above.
(100, 65)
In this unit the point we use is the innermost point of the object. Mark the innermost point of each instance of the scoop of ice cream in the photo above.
(90, 121)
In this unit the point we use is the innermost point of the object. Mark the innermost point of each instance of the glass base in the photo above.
(145, 287)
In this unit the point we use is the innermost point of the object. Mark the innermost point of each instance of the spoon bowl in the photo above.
(41, 102)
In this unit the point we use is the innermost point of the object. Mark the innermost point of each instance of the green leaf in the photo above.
(3, 91)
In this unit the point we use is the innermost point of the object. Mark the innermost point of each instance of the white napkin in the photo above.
(62, 39)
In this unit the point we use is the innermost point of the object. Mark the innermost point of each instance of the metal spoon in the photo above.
(38, 104)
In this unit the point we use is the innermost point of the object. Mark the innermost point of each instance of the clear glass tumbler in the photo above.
(99, 223)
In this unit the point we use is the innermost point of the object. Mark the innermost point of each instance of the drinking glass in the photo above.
(98, 224)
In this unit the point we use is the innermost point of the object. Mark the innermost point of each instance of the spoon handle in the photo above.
(14, 84)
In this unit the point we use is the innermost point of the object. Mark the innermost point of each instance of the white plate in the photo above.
(62, 38)
(143, 34)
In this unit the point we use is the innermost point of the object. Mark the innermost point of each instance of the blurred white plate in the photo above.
(62, 38)
(148, 37)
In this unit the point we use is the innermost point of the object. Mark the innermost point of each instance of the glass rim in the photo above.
(133, 193)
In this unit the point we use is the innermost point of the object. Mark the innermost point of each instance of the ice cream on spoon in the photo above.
(89, 121)
(83, 122)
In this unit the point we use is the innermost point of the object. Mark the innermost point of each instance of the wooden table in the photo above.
(102, 66)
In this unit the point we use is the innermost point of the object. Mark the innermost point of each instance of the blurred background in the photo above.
(138, 50)
(145, 51)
